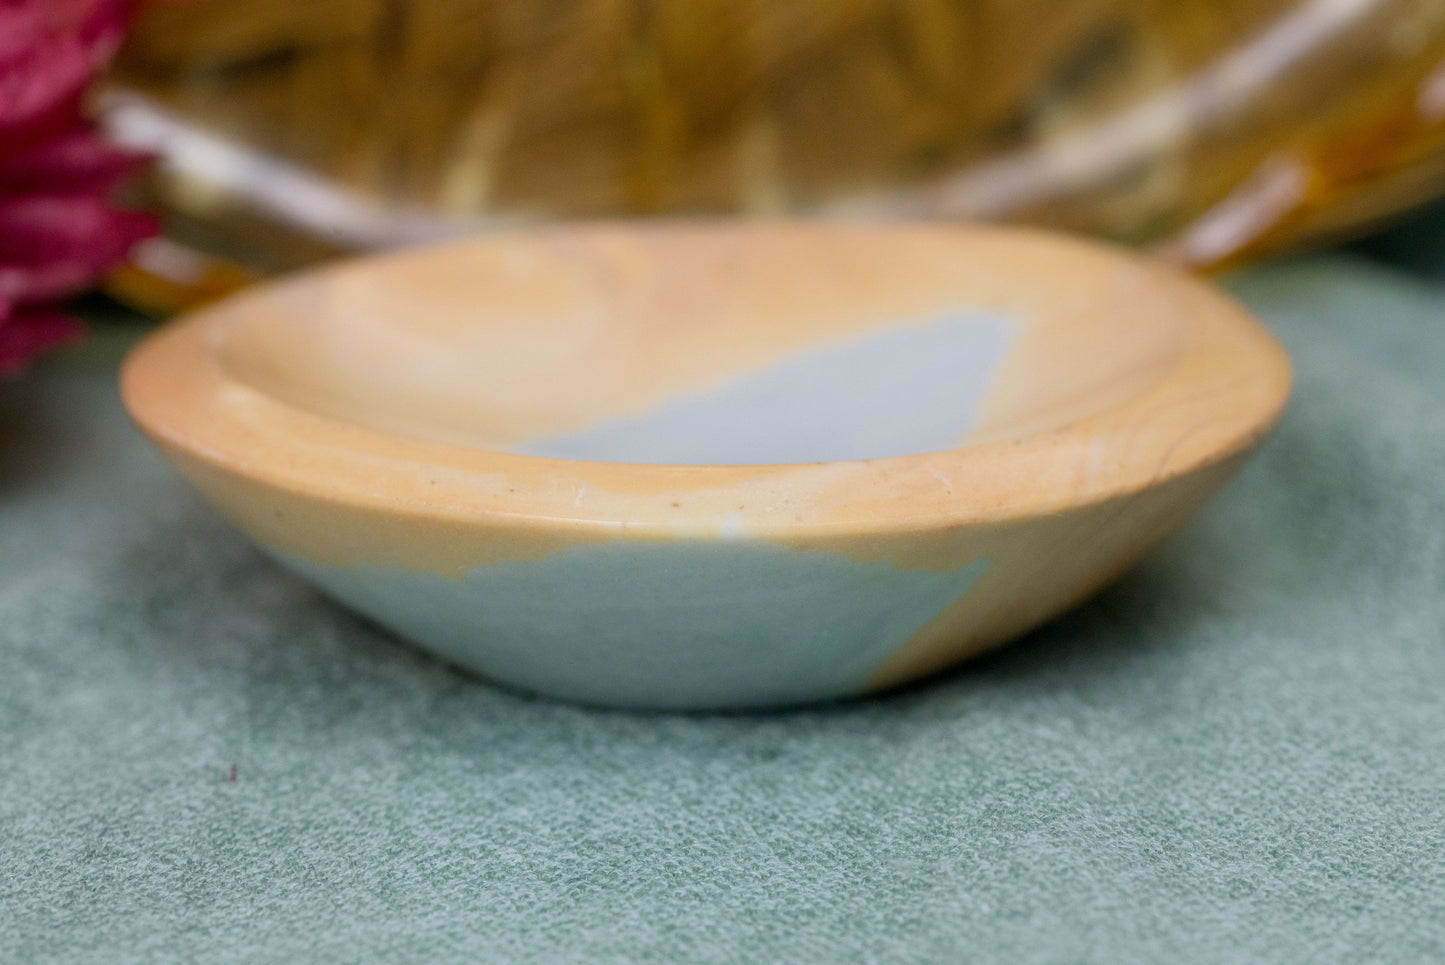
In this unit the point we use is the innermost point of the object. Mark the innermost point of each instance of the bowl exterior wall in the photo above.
(700, 622)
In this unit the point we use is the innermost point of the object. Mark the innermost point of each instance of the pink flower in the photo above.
(58, 232)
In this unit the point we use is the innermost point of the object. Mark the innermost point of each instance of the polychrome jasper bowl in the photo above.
(714, 465)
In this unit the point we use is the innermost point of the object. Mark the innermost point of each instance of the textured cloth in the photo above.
(1236, 754)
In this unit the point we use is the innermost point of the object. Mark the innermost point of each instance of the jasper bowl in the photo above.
(713, 465)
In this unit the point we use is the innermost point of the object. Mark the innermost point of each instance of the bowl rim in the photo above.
(1222, 395)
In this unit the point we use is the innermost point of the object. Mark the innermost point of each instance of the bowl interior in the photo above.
(683, 346)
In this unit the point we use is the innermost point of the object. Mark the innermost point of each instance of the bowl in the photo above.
(714, 465)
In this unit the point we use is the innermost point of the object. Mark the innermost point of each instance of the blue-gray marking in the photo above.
(903, 390)
(712, 624)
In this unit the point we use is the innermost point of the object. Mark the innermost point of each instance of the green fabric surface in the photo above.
(1236, 754)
